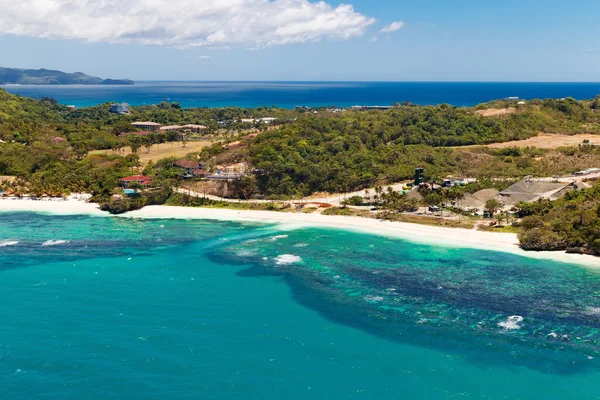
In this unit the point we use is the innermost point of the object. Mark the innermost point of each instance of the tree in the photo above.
(121, 127)
(135, 186)
(500, 218)
(493, 205)
(244, 187)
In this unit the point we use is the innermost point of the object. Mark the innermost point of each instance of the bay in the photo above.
(313, 94)
(99, 308)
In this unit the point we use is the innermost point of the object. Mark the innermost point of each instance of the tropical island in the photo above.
(527, 168)
(15, 76)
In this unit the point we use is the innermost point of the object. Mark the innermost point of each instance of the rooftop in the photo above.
(145, 123)
(192, 126)
(187, 164)
(527, 186)
(136, 178)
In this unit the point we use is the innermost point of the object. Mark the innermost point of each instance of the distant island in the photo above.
(15, 76)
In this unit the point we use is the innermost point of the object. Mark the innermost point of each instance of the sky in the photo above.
(304, 40)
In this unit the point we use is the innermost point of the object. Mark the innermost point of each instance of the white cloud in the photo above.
(204, 57)
(182, 23)
(393, 27)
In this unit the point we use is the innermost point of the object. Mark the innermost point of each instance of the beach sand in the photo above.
(503, 242)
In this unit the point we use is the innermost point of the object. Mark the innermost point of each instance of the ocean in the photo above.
(116, 308)
(314, 94)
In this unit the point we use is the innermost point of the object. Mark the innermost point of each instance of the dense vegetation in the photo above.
(311, 152)
(571, 223)
(361, 149)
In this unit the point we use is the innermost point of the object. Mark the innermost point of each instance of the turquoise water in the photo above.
(314, 94)
(103, 308)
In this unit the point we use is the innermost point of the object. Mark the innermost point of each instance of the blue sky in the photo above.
(435, 40)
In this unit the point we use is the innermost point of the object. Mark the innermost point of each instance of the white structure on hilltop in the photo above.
(120, 109)
(266, 120)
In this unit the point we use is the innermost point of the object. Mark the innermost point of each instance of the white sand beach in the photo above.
(503, 242)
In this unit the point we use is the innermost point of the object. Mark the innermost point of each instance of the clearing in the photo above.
(494, 112)
(7, 179)
(549, 141)
(160, 151)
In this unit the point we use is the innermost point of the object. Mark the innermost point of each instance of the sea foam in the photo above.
(54, 242)
(513, 322)
(277, 237)
(287, 259)
(5, 243)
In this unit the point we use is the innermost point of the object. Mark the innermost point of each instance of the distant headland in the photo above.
(15, 76)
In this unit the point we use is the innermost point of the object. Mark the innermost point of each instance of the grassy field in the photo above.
(495, 112)
(160, 151)
(549, 141)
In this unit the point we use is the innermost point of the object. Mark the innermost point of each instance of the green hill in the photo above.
(14, 76)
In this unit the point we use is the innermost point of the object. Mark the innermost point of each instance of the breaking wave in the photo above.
(287, 259)
(277, 237)
(5, 243)
(513, 322)
(54, 242)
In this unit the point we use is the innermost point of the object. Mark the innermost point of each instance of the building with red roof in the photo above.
(141, 179)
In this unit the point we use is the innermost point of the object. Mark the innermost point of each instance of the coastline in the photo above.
(432, 235)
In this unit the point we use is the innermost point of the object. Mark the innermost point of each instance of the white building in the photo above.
(122, 108)
(147, 126)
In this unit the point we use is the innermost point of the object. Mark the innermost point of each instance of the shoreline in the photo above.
(423, 234)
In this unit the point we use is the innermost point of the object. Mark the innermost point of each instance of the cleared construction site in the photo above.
(526, 190)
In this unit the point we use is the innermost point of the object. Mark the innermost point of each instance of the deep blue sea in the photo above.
(113, 308)
(292, 94)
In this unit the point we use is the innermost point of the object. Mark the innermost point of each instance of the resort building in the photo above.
(120, 109)
(171, 128)
(141, 179)
(147, 126)
(184, 128)
(192, 168)
(266, 120)
(194, 128)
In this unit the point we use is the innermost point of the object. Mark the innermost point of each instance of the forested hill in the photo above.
(312, 151)
(15, 76)
(353, 150)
